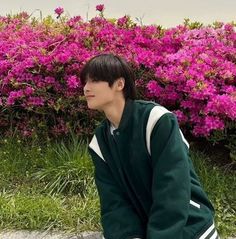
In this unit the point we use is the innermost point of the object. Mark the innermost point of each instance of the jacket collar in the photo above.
(125, 118)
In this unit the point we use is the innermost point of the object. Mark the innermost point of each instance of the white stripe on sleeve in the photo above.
(207, 232)
(214, 236)
(183, 138)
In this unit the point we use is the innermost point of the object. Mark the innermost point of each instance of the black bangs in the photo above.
(109, 67)
(106, 67)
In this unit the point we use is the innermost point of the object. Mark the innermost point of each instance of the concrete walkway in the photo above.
(47, 235)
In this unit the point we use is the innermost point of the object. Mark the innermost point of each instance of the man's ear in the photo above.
(120, 83)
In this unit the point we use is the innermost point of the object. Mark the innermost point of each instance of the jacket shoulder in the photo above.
(145, 103)
(151, 107)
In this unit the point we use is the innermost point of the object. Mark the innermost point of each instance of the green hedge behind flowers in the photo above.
(189, 69)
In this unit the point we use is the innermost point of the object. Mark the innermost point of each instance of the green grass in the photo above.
(220, 185)
(44, 212)
(46, 185)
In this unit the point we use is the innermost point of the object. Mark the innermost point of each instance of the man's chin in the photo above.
(92, 107)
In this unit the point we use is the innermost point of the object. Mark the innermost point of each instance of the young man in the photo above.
(146, 182)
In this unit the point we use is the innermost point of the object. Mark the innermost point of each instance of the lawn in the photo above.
(49, 185)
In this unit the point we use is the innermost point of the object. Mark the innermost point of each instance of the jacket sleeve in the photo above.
(170, 182)
(118, 218)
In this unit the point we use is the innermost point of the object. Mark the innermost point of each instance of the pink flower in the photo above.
(72, 82)
(49, 80)
(13, 96)
(72, 22)
(213, 123)
(23, 15)
(61, 128)
(182, 118)
(123, 21)
(59, 11)
(100, 7)
(35, 101)
(28, 90)
(27, 133)
(63, 57)
(154, 89)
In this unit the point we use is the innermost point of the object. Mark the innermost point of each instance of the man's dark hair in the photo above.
(109, 67)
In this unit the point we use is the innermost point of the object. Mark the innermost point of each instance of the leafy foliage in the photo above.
(189, 68)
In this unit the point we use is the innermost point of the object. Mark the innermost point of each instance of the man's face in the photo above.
(99, 94)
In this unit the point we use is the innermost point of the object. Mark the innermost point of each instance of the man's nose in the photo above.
(86, 88)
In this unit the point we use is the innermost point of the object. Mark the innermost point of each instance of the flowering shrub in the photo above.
(189, 70)
(198, 78)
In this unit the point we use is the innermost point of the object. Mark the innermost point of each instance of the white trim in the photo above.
(207, 232)
(112, 128)
(154, 116)
(214, 236)
(95, 147)
(183, 138)
(195, 204)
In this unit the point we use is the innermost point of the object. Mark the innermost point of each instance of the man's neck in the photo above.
(114, 112)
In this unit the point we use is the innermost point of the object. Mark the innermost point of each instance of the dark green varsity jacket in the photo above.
(146, 182)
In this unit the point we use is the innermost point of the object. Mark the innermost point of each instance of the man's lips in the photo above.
(89, 96)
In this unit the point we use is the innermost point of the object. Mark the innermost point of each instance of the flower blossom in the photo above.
(59, 11)
(100, 7)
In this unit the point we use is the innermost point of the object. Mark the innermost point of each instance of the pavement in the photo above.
(50, 235)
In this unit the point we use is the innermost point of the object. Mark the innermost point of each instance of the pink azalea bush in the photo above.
(190, 71)
(198, 78)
